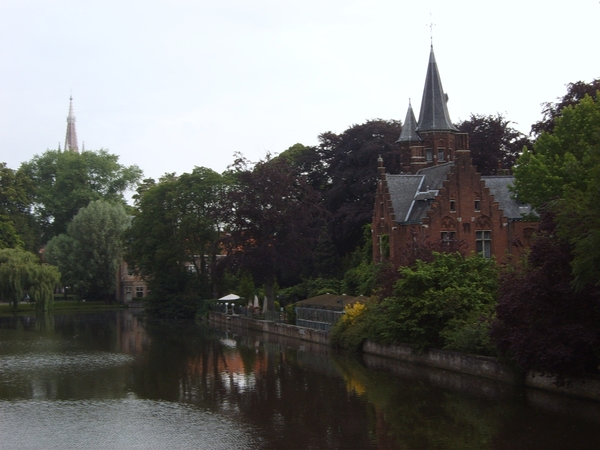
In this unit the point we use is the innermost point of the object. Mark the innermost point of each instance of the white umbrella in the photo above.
(256, 304)
(230, 297)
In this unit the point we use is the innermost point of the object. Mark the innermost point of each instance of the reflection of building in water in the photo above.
(131, 335)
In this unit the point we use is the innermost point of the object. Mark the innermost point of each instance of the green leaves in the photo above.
(66, 182)
(175, 233)
(446, 303)
(562, 160)
(21, 272)
(90, 253)
(432, 300)
(562, 174)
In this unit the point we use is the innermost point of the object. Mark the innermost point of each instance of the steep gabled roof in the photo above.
(409, 128)
(499, 188)
(434, 114)
(411, 195)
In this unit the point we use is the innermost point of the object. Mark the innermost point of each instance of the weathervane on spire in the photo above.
(431, 25)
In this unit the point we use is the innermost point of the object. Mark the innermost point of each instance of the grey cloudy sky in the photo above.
(177, 84)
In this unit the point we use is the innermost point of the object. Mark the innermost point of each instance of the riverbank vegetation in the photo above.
(296, 225)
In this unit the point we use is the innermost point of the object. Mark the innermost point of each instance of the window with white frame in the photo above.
(139, 291)
(483, 243)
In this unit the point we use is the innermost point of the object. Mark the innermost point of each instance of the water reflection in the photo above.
(137, 383)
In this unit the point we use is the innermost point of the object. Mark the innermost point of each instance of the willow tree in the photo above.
(89, 254)
(21, 272)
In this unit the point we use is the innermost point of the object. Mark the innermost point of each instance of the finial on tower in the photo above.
(431, 25)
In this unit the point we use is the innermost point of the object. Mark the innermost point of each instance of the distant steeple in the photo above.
(434, 114)
(409, 128)
(71, 138)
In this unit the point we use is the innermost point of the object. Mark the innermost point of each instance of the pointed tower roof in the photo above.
(409, 128)
(434, 114)
(71, 138)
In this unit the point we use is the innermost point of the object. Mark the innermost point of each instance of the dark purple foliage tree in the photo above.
(551, 111)
(275, 221)
(494, 144)
(542, 323)
(351, 168)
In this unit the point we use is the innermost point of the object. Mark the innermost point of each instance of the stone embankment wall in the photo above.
(480, 366)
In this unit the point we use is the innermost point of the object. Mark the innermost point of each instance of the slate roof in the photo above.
(434, 115)
(411, 195)
(499, 188)
(409, 129)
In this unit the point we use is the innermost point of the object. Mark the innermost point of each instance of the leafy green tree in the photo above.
(91, 251)
(561, 160)
(16, 221)
(65, 182)
(552, 111)
(276, 218)
(493, 143)
(21, 272)
(562, 174)
(174, 239)
(434, 301)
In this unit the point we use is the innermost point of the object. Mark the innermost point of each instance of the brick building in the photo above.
(439, 197)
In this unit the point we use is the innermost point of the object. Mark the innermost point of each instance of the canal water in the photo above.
(115, 380)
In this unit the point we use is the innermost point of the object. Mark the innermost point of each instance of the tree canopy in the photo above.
(552, 110)
(22, 272)
(275, 219)
(65, 182)
(351, 174)
(542, 322)
(16, 222)
(561, 173)
(174, 237)
(493, 143)
(90, 253)
(564, 159)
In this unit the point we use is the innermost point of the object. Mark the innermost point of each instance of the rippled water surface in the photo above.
(113, 380)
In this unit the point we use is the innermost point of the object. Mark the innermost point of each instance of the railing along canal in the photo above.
(314, 318)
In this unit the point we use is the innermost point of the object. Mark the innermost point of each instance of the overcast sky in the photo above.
(177, 84)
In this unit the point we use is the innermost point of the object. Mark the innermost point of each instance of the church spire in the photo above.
(71, 138)
(434, 114)
(409, 128)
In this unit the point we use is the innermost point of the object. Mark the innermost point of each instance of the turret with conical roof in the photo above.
(409, 127)
(71, 138)
(433, 139)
